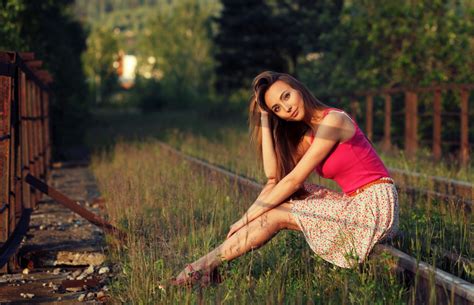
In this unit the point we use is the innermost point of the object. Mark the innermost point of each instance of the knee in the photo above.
(277, 218)
(271, 220)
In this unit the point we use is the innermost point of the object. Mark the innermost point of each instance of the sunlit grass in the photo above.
(225, 141)
(178, 215)
(175, 213)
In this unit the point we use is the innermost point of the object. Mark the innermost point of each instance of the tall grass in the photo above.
(175, 213)
(225, 142)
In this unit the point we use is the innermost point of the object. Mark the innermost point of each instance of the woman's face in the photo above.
(285, 101)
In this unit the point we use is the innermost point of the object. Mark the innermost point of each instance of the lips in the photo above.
(295, 113)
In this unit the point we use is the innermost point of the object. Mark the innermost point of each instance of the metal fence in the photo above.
(25, 146)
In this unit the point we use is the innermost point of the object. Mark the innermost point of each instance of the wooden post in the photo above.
(437, 125)
(369, 117)
(24, 147)
(464, 151)
(387, 141)
(5, 103)
(353, 105)
(411, 123)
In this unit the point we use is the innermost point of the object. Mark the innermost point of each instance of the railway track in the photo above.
(458, 192)
(429, 283)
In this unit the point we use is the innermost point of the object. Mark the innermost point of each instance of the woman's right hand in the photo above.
(261, 110)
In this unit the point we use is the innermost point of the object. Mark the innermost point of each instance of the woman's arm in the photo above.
(268, 151)
(328, 135)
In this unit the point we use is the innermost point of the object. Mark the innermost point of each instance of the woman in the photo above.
(295, 134)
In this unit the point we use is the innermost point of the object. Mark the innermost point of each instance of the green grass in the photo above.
(177, 215)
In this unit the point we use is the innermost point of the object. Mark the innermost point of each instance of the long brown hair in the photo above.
(286, 135)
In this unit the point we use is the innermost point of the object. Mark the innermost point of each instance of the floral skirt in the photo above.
(343, 229)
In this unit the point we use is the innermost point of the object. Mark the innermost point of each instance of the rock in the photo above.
(101, 296)
(56, 271)
(74, 289)
(27, 295)
(79, 258)
(104, 270)
(26, 271)
(76, 273)
(90, 295)
(89, 270)
(42, 227)
(82, 297)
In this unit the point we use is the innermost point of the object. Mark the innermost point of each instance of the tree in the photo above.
(300, 24)
(48, 29)
(102, 50)
(269, 35)
(395, 43)
(247, 43)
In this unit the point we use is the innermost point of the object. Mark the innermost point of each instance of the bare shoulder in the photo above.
(340, 122)
(336, 119)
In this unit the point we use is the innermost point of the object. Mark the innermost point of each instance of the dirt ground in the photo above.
(62, 258)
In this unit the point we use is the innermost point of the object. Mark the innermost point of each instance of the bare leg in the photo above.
(252, 236)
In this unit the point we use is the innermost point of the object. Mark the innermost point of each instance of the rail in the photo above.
(25, 146)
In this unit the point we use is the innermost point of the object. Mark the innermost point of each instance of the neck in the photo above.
(316, 117)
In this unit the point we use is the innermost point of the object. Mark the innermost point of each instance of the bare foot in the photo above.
(203, 271)
(188, 276)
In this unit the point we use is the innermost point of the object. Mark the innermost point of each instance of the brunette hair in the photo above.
(286, 135)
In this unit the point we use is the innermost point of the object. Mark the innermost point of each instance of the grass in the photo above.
(176, 215)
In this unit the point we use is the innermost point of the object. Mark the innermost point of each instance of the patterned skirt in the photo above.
(343, 229)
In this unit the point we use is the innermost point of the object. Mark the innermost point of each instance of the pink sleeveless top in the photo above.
(352, 163)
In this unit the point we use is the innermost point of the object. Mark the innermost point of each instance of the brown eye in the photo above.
(276, 108)
(286, 96)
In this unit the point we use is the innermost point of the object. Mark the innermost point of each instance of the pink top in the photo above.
(352, 163)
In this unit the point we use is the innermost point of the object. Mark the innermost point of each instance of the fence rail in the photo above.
(25, 146)
(411, 113)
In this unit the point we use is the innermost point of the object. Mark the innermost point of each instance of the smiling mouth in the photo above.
(294, 113)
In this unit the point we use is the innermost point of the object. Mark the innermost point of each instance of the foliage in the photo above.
(300, 24)
(391, 43)
(102, 51)
(177, 37)
(254, 36)
(48, 29)
(246, 43)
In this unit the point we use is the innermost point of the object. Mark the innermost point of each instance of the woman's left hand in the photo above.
(235, 227)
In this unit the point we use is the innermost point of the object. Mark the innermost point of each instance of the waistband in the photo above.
(365, 186)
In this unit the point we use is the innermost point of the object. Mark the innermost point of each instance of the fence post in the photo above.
(24, 141)
(5, 138)
(437, 125)
(464, 151)
(353, 106)
(369, 118)
(387, 142)
(411, 123)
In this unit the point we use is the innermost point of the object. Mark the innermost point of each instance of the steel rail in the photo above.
(461, 188)
(448, 287)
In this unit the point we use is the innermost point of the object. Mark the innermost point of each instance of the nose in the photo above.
(287, 108)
